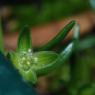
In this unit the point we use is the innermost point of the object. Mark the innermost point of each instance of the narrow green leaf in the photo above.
(59, 37)
(24, 41)
(53, 61)
(1, 38)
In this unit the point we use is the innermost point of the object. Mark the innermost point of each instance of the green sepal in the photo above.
(59, 37)
(43, 59)
(55, 63)
(24, 40)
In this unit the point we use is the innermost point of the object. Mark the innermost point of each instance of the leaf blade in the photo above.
(59, 37)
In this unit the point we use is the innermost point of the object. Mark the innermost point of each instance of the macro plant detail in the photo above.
(33, 64)
(60, 66)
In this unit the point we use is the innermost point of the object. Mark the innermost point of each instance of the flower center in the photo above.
(26, 60)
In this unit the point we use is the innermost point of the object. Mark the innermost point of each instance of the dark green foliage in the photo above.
(59, 37)
(32, 64)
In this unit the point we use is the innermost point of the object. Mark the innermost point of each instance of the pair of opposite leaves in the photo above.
(33, 64)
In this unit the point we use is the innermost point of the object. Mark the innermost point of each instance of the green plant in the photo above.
(32, 65)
